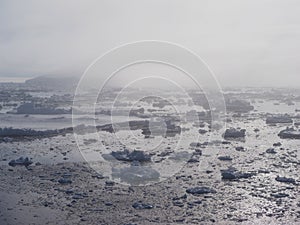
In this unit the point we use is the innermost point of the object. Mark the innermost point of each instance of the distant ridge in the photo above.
(53, 82)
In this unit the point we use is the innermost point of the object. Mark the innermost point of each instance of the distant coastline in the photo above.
(14, 79)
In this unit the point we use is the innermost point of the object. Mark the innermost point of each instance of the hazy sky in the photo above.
(249, 42)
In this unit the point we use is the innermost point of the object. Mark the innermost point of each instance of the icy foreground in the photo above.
(249, 175)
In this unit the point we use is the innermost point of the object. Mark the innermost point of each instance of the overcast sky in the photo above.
(255, 42)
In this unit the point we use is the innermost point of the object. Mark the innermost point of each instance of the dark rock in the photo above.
(179, 198)
(98, 176)
(139, 156)
(178, 203)
(69, 192)
(132, 125)
(238, 106)
(289, 133)
(108, 204)
(225, 158)
(31, 108)
(140, 205)
(195, 144)
(277, 144)
(109, 183)
(263, 171)
(197, 152)
(279, 119)
(64, 181)
(285, 180)
(46, 204)
(16, 133)
(197, 202)
(271, 151)
(77, 196)
(67, 175)
(202, 125)
(193, 160)
(202, 131)
(234, 133)
(165, 153)
(200, 190)
(240, 149)
(20, 162)
(180, 220)
(280, 195)
(135, 155)
(232, 174)
(121, 155)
